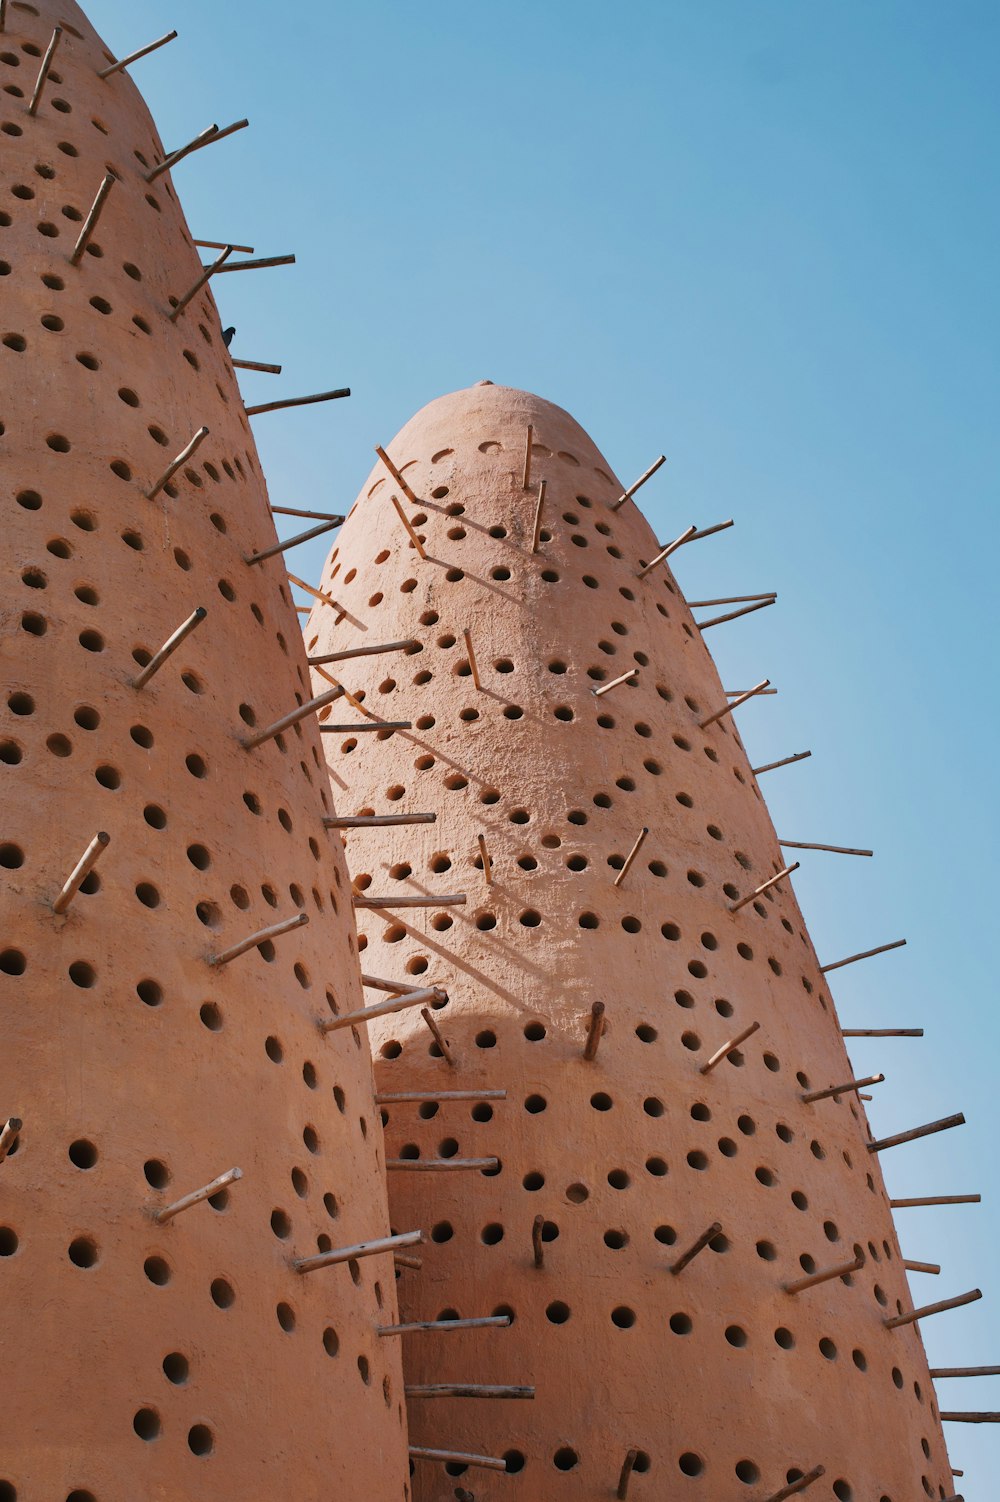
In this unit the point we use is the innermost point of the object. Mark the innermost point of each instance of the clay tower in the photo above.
(697, 1257)
(158, 1349)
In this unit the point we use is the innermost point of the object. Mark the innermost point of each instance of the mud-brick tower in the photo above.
(724, 1380)
(187, 1356)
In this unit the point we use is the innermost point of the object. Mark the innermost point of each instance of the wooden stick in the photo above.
(881, 1032)
(440, 1165)
(207, 272)
(8, 1135)
(459, 1457)
(640, 837)
(352, 1253)
(351, 652)
(465, 1390)
(133, 57)
(383, 1009)
(772, 594)
(451, 899)
(735, 704)
(182, 458)
(313, 516)
(404, 1097)
(734, 693)
(205, 138)
(298, 401)
(595, 1031)
(536, 535)
(89, 224)
(921, 1267)
(316, 593)
(292, 542)
(235, 950)
(487, 863)
(727, 1048)
(970, 1418)
(711, 531)
(366, 725)
(964, 1371)
(81, 870)
(376, 821)
(850, 1088)
(195, 1198)
(866, 954)
(400, 481)
(606, 688)
(409, 527)
(438, 1037)
(696, 1247)
(915, 1314)
(766, 886)
(627, 495)
(249, 742)
(833, 849)
(394, 987)
(671, 547)
(537, 1244)
(734, 615)
(473, 664)
(3, 15)
(418, 1325)
(786, 761)
(921, 1131)
(255, 365)
(526, 481)
(246, 250)
(169, 647)
(840, 1271)
(794, 1487)
(626, 1471)
(43, 71)
(936, 1199)
(401, 1260)
(259, 265)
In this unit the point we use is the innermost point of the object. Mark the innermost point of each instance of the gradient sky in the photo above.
(764, 239)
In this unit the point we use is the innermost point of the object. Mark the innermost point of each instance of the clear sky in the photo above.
(760, 237)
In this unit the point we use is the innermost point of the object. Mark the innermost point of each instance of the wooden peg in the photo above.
(473, 664)
(766, 886)
(43, 71)
(945, 1304)
(711, 531)
(964, 1371)
(351, 652)
(485, 857)
(133, 57)
(255, 365)
(537, 1244)
(195, 1198)
(606, 688)
(727, 1048)
(354, 1253)
(312, 516)
(536, 535)
(443, 1325)
(207, 272)
(404, 1097)
(526, 481)
(970, 1418)
(244, 250)
(261, 264)
(458, 1457)
(451, 899)
(921, 1131)
(249, 742)
(235, 950)
(400, 1259)
(292, 542)
(866, 954)
(317, 594)
(833, 849)
(696, 1246)
(772, 594)
(664, 553)
(736, 693)
(786, 761)
(204, 138)
(8, 1135)
(438, 1037)
(735, 704)
(409, 527)
(89, 224)
(842, 1270)
(169, 647)
(640, 837)
(734, 615)
(395, 987)
(82, 870)
(362, 725)
(465, 1390)
(298, 401)
(627, 495)
(881, 1032)
(440, 1165)
(399, 479)
(936, 1199)
(384, 1009)
(921, 1267)
(794, 1487)
(3, 16)
(850, 1088)
(375, 821)
(182, 458)
(595, 1031)
(626, 1472)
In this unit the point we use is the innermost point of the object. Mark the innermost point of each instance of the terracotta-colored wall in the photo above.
(728, 1385)
(125, 1053)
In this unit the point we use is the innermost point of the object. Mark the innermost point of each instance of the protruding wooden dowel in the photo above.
(833, 849)
(664, 553)
(3, 16)
(411, 530)
(627, 495)
(438, 1036)
(310, 589)
(367, 651)
(312, 516)
(182, 458)
(243, 250)
(169, 647)
(526, 478)
(735, 704)
(204, 138)
(261, 263)
(881, 1032)
(945, 1304)
(595, 1031)
(383, 1009)
(440, 1165)
(501, 1321)
(8, 1135)
(133, 57)
(786, 761)
(765, 886)
(935, 1199)
(921, 1267)
(772, 594)
(865, 954)
(938, 1372)
(843, 1269)
(195, 1198)
(43, 71)
(640, 837)
(606, 688)
(794, 1487)
(366, 725)
(355, 1253)
(256, 365)
(734, 615)
(709, 1234)
(851, 1088)
(249, 742)
(473, 664)
(916, 1132)
(401, 1259)
(970, 1418)
(711, 531)
(89, 224)
(465, 1390)
(235, 950)
(397, 476)
(536, 535)
(207, 272)
(628, 1465)
(298, 401)
(292, 542)
(736, 693)
(82, 870)
(459, 1457)
(537, 1244)
(422, 899)
(484, 856)
(413, 1097)
(727, 1048)
(375, 821)
(394, 987)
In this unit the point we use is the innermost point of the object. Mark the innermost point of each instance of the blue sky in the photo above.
(762, 238)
